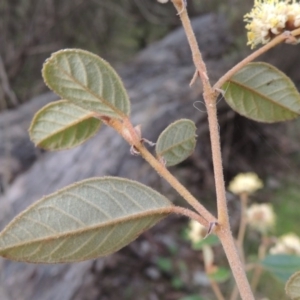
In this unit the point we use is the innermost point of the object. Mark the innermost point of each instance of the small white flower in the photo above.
(261, 217)
(287, 244)
(245, 183)
(196, 231)
(269, 18)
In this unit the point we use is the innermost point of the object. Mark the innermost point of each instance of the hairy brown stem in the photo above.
(279, 39)
(126, 130)
(190, 214)
(223, 229)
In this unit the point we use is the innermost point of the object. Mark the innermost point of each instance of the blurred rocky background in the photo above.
(143, 41)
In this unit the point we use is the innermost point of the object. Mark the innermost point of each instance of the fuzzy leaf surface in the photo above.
(91, 218)
(292, 287)
(88, 81)
(62, 125)
(176, 142)
(262, 93)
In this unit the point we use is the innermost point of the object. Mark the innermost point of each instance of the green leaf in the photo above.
(292, 287)
(88, 81)
(220, 275)
(262, 93)
(281, 265)
(176, 142)
(91, 218)
(62, 125)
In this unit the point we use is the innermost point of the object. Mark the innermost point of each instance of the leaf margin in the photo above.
(163, 211)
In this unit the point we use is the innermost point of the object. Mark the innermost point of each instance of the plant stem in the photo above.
(243, 225)
(223, 229)
(279, 39)
(241, 236)
(126, 130)
(161, 170)
(210, 101)
(210, 268)
(234, 260)
(215, 287)
(189, 213)
(258, 269)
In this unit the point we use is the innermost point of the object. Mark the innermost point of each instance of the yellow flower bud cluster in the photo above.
(245, 183)
(287, 244)
(261, 217)
(269, 18)
(196, 232)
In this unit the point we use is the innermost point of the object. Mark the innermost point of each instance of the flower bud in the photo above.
(196, 232)
(261, 217)
(245, 183)
(269, 18)
(287, 244)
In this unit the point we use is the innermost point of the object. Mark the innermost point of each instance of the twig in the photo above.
(127, 131)
(279, 39)
(223, 230)
(209, 266)
(215, 287)
(258, 269)
(243, 225)
(190, 214)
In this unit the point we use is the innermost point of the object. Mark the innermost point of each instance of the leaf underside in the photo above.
(281, 265)
(176, 142)
(261, 92)
(88, 81)
(62, 125)
(92, 218)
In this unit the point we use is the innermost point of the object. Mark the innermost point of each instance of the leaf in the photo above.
(261, 92)
(176, 142)
(62, 125)
(88, 81)
(292, 287)
(91, 218)
(281, 265)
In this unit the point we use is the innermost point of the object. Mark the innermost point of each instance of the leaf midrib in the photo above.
(175, 145)
(89, 116)
(105, 102)
(259, 94)
(160, 211)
